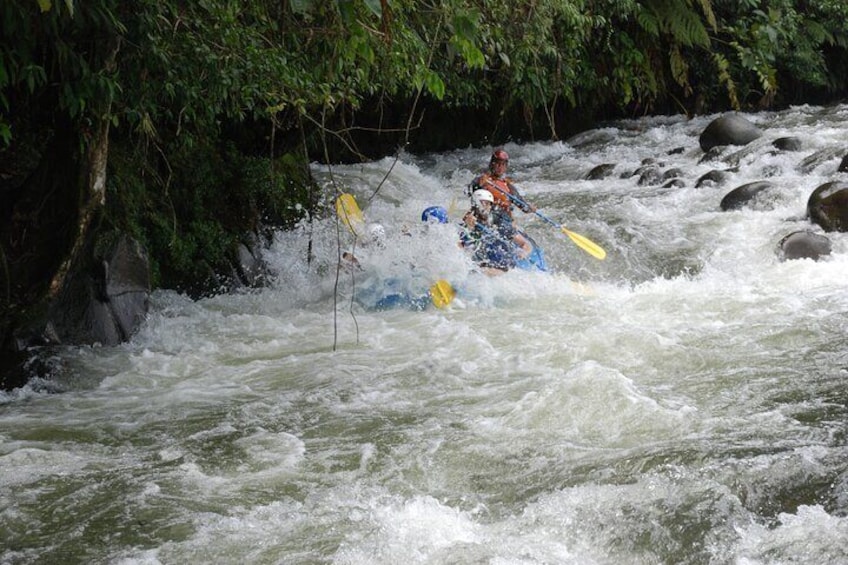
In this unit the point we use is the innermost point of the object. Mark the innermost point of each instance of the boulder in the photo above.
(828, 206)
(128, 285)
(251, 269)
(731, 129)
(673, 173)
(788, 144)
(104, 305)
(812, 162)
(601, 171)
(843, 165)
(714, 177)
(750, 194)
(649, 175)
(803, 245)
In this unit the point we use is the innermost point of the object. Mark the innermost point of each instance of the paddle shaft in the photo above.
(523, 204)
(581, 241)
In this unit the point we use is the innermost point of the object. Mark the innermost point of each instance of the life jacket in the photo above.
(499, 187)
(490, 245)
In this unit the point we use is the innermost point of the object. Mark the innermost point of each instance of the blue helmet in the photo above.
(434, 214)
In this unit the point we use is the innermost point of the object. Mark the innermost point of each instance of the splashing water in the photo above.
(683, 401)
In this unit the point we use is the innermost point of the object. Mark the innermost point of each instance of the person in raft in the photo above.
(505, 193)
(495, 248)
(434, 215)
(375, 237)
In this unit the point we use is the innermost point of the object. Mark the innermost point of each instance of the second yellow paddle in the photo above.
(442, 293)
(348, 211)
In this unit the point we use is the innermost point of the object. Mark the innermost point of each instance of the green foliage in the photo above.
(725, 79)
(675, 19)
(188, 73)
(56, 57)
(185, 67)
(193, 220)
(765, 43)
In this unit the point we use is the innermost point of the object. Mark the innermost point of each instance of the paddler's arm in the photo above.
(477, 182)
(524, 249)
(466, 228)
(520, 201)
(469, 221)
(350, 260)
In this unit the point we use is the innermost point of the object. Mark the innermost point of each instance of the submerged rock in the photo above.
(601, 171)
(803, 245)
(731, 129)
(750, 194)
(714, 177)
(788, 143)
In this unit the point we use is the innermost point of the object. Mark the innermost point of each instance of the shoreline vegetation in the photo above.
(189, 127)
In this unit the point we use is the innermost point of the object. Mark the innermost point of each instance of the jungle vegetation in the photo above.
(214, 108)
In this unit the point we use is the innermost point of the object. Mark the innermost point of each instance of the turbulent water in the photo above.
(682, 401)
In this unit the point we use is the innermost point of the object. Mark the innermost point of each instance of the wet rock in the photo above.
(731, 129)
(593, 137)
(827, 206)
(751, 195)
(812, 162)
(672, 173)
(101, 306)
(788, 143)
(803, 245)
(649, 176)
(713, 154)
(601, 171)
(712, 178)
(843, 165)
(250, 268)
(128, 285)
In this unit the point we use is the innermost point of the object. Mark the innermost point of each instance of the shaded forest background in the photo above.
(188, 125)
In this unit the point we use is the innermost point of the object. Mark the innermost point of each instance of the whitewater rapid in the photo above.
(682, 401)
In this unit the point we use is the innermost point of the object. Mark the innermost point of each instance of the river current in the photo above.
(683, 401)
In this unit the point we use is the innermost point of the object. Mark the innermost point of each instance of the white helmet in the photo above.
(481, 195)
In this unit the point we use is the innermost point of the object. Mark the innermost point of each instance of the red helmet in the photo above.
(500, 155)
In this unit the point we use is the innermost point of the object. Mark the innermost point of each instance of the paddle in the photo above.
(348, 211)
(441, 292)
(581, 241)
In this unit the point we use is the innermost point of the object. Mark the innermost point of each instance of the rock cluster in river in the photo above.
(827, 206)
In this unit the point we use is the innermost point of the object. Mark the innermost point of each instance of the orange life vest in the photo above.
(499, 187)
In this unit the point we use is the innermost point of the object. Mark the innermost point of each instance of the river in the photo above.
(684, 400)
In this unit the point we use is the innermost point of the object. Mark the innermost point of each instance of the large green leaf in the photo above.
(375, 6)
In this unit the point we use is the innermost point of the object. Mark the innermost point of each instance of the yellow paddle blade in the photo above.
(442, 293)
(585, 244)
(348, 211)
(452, 206)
